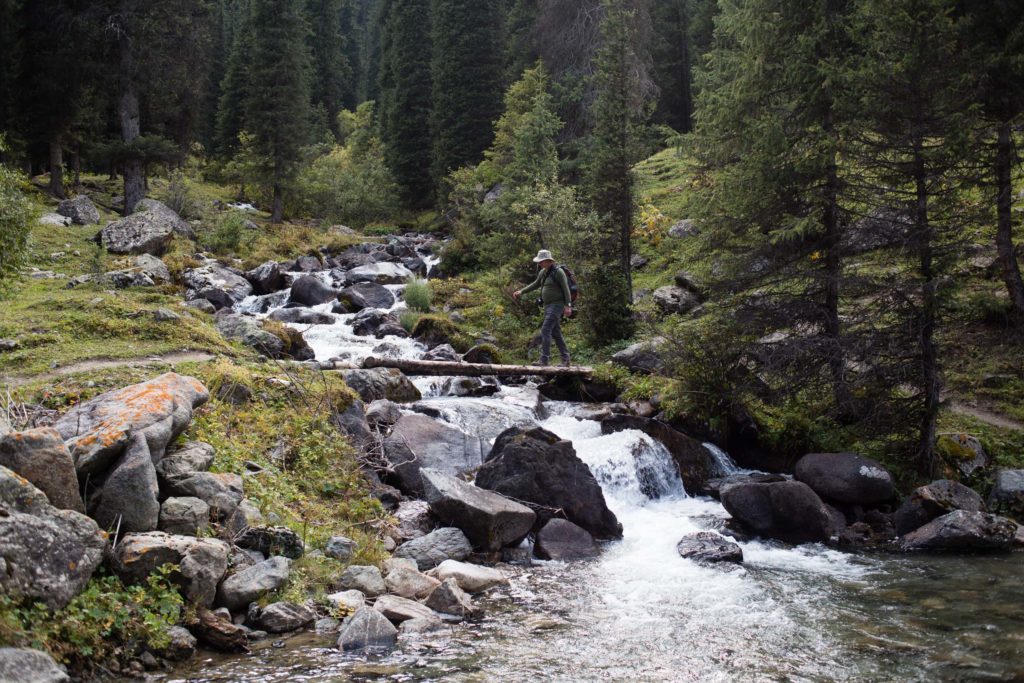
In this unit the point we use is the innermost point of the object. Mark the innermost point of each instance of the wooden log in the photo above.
(437, 367)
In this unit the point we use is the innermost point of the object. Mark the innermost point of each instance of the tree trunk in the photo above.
(1008, 266)
(833, 279)
(76, 164)
(277, 213)
(927, 464)
(128, 112)
(57, 167)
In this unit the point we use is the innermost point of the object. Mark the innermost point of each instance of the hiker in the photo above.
(556, 299)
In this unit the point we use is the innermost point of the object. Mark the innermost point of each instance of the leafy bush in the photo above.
(409, 319)
(419, 295)
(181, 196)
(227, 235)
(15, 225)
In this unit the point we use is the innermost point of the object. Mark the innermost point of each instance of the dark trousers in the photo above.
(552, 328)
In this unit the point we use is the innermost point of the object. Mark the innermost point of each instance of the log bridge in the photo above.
(436, 367)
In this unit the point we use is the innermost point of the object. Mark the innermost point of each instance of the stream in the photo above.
(640, 612)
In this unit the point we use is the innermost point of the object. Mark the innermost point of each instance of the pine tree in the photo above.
(405, 95)
(11, 51)
(466, 72)
(234, 87)
(277, 107)
(332, 72)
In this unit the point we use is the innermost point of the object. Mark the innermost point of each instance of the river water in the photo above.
(639, 612)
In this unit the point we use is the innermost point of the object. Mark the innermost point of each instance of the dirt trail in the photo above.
(983, 415)
(170, 359)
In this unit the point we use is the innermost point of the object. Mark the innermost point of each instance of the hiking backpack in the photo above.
(574, 287)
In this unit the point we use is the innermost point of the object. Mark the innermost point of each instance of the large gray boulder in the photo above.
(218, 284)
(80, 210)
(410, 583)
(1008, 493)
(166, 214)
(366, 295)
(381, 383)
(367, 628)
(46, 554)
(534, 466)
(266, 278)
(707, 547)
(439, 545)
(248, 331)
(449, 599)
(184, 516)
(382, 273)
(366, 579)
(489, 520)
(471, 578)
(418, 442)
(23, 665)
(40, 456)
(238, 590)
(152, 267)
(846, 478)
(788, 510)
(674, 299)
(371, 322)
(934, 500)
(963, 530)
(282, 617)
(309, 290)
(562, 540)
(398, 609)
(128, 497)
(140, 233)
(202, 562)
(643, 357)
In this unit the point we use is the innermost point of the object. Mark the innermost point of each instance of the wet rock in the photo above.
(471, 578)
(47, 554)
(366, 295)
(642, 357)
(963, 530)
(282, 617)
(221, 492)
(202, 562)
(562, 540)
(934, 500)
(398, 609)
(381, 383)
(578, 390)
(326, 625)
(846, 478)
(272, 540)
(363, 578)
(421, 626)
(217, 633)
(448, 598)
(535, 466)
(444, 353)
(346, 601)
(707, 547)
(439, 545)
(410, 583)
(367, 628)
(370, 322)
(238, 590)
(301, 316)
(311, 291)
(184, 516)
(40, 456)
(489, 520)
(714, 487)
(194, 456)
(1008, 493)
(414, 519)
(23, 665)
(352, 422)
(383, 413)
(80, 210)
(470, 386)
(266, 278)
(208, 280)
(690, 456)
(418, 442)
(248, 331)
(481, 353)
(672, 299)
(181, 646)
(382, 273)
(789, 510)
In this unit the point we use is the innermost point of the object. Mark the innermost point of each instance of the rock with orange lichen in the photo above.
(40, 456)
(98, 432)
(127, 499)
(46, 554)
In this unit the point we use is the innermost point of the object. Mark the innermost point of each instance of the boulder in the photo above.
(46, 553)
(40, 456)
(415, 627)
(80, 210)
(367, 628)
(181, 645)
(126, 279)
(184, 516)
(846, 478)
(414, 519)
(24, 665)
(194, 456)
(341, 548)
(271, 540)
(398, 609)
(410, 583)
(238, 590)
(471, 578)
(683, 228)
(562, 540)
(352, 423)
(383, 413)
(489, 520)
(788, 510)
(382, 273)
(448, 598)
(642, 357)
(98, 431)
(222, 492)
(213, 630)
(202, 562)
(481, 353)
(691, 457)
(964, 451)
(418, 442)
(1007, 494)
(282, 617)
(371, 322)
(674, 299)
(140, 233)
(55, 219)
(366, 295)
(128, 497)
(444, 353)
(248, 331)
(223, 287)
(381, 383)
(301, 316)
(963, 530)
(535, 466)
(166, 214)
(152, 267)
(266, 278)
(364, 578)
(311, 291)
(934, 500)
(469, 386)
(714, 487)
(578, 390)
(707, 547)
(439, 545)
(346, 601)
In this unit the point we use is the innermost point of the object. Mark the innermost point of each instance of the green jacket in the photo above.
(555, 289)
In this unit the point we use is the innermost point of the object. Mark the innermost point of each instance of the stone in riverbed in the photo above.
(489, 520)
(410, 583)
(419, 442)
(398, 609)
(1008, 493)
(282, 617)
(381, 383)
(707, 547)
(448, 598)
(963, 530)
(310, 291)
(436, 547)
(40, 456)
(238, 590)
(383, 413)
(266, 278)
(363, 578)
(366, 295)
(414, 519)
(934, 500)
(471, 578)
(248, 331)
(24, 665)
(562, 540)
(789, 511)
(301, 316)
(367, 628)
(181, 646)
(846, 478)
(347, 601)
(202, 562)
(382, 273)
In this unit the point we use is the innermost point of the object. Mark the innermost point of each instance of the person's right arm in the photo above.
(533, 285)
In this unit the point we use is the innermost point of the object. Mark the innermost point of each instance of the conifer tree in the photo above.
(234, 87)
(332, 72)
(405, 95)
(277, 107)
(466, 72)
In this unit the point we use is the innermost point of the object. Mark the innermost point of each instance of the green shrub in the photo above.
(181, 196)
(227, 236)
(419, 295)
(15, 225)
(409, 319)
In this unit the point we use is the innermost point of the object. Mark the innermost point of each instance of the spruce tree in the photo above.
(466, 72)
(234, 87)
(277, 107)
(332, 72)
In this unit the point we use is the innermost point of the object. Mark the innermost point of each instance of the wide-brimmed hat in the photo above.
(543, 255)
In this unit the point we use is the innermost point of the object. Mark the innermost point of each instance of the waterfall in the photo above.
(724, 464)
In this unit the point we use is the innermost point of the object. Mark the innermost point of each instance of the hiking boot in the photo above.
(566, 363)
(540, 364)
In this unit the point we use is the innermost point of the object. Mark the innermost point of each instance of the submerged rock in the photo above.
(398, 609)
(707, 547)
(448, 598)
(690, 456)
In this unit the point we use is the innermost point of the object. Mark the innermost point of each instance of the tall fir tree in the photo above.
(234, 87)
(11, 58)
(467, 62)
(405, 95)
(332, 72)
(277, 107)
